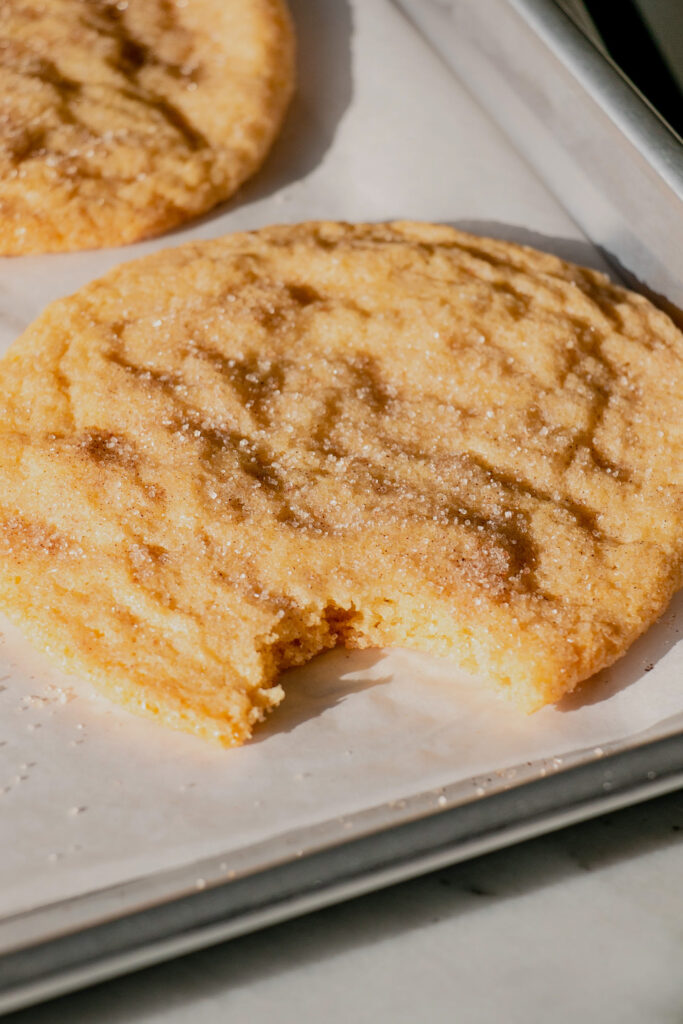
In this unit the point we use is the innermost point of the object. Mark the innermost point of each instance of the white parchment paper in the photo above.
(91, 796)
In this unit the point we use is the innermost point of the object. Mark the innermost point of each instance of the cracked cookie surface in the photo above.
(219, 460)
(120, 120)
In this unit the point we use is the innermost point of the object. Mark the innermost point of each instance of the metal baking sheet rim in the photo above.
(595, 142)
(199, 915)
(191, 911)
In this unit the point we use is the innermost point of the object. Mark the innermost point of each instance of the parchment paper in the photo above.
(91, 796)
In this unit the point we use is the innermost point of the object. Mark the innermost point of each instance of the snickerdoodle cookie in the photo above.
(119, 120)
(223, 458)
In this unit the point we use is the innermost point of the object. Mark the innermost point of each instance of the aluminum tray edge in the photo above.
(139, 938)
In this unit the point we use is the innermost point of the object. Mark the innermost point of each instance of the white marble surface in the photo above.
(585, 925)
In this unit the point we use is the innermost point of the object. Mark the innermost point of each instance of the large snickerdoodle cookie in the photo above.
(223, 458)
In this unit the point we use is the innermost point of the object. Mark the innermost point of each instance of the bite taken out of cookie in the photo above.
(119, 121)
(221, 459)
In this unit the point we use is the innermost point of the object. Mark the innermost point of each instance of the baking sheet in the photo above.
(91, 796)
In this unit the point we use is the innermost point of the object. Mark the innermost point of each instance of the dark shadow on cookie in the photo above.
(641, 658)
(320, 685)
(574, 250)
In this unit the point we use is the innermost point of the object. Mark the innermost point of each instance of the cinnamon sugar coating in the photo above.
(223, 458)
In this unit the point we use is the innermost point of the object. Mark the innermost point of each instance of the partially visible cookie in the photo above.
(223, 458)
(120, 120)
